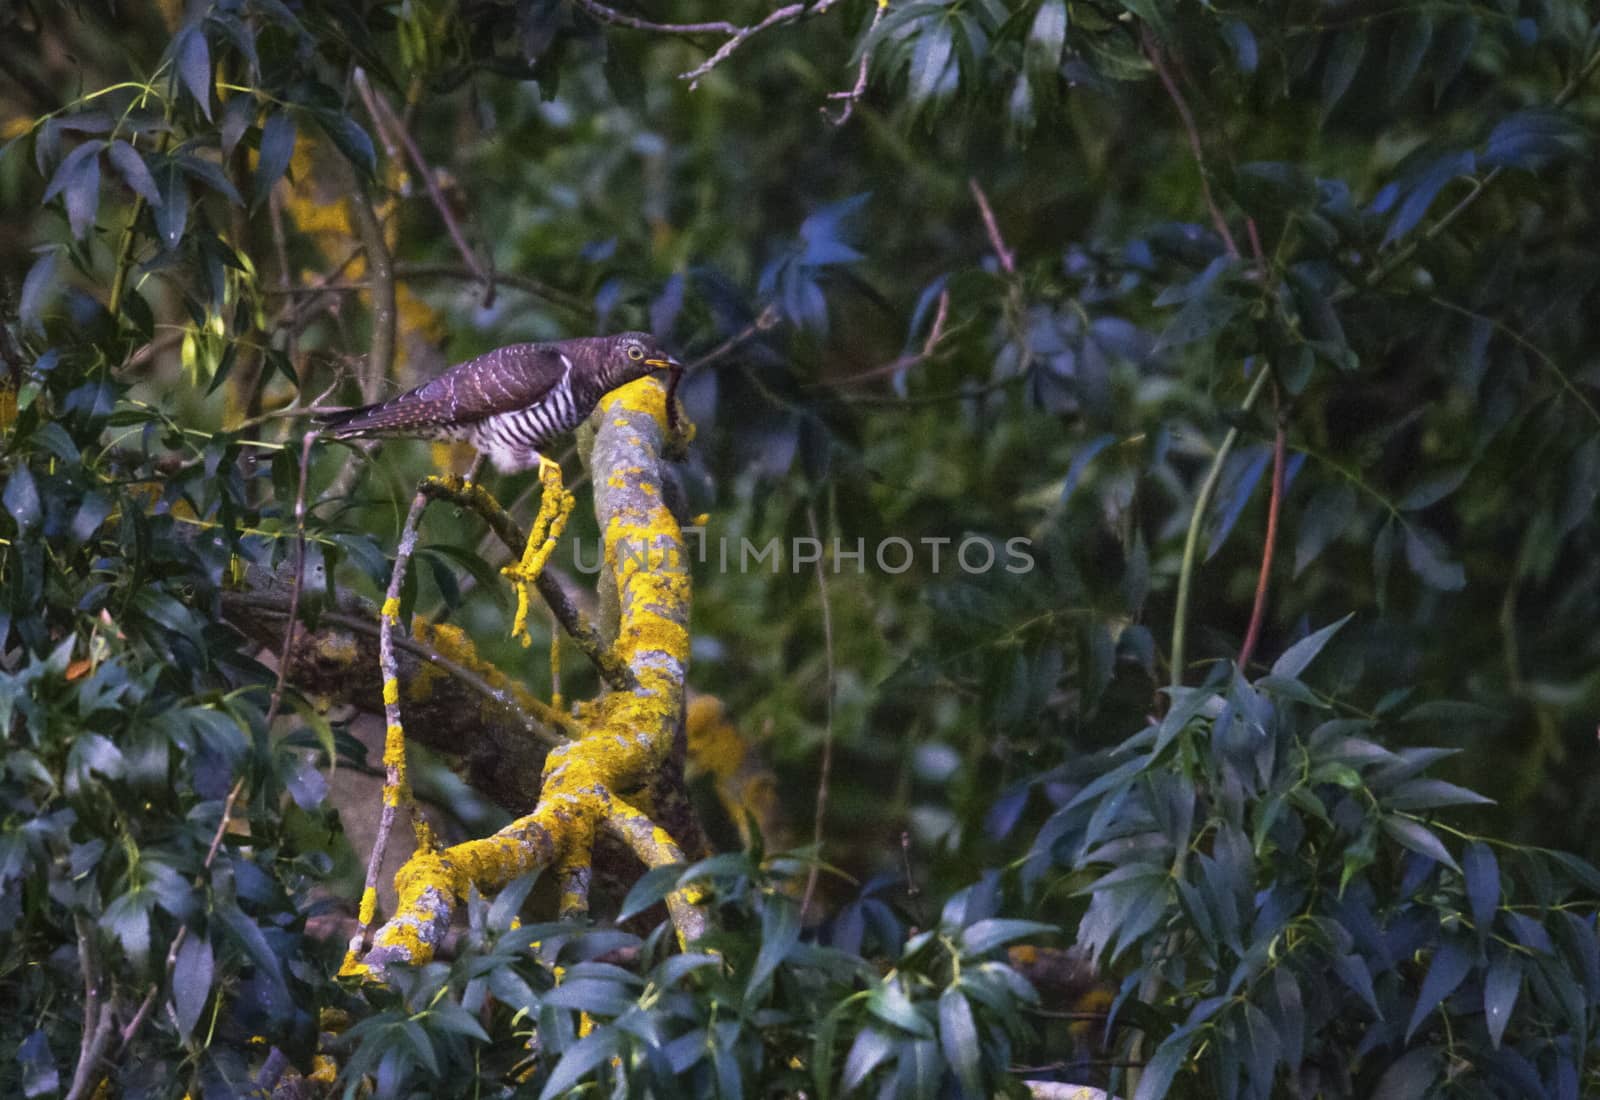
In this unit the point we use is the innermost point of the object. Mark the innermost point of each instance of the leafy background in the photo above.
(1387, 207)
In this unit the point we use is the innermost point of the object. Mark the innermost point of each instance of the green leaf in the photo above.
(508, 903)
(21, 499)
(1326, 517)
(1046, 40)
(1419, 838)
(40, 1076)
(38, 289)
(1430, 794)
(1344, 58)
(1501, 987)
(173, 213)
(890, 1004)
(81, 188)
(135, 173)
(1164, 1064)
(1481, 871)
(1302, 653)
(1406, 48)
(193, 58)
(192, 973)
(579, 1060)
(127, 918)
(1425, 554)
(985, 935)
(780, 931)
(867, 1053)
(958, 1038)
(277, 147)
(1409, 1077)
(651, 887)
(1435, 487)
(450, 1017)
(929, 59)
(351, 140)
(1451, 963)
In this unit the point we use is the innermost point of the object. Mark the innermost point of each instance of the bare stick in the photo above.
(1252, 635)
(826, 768)
(380, 268)
(389, 122)
(396, 788)
(1008, 262)
(741, 35)
(573, 303)
(859, 88)
(96, 1014)
(280, 245)
(1152, 50)
(623, 19)
(906, 362)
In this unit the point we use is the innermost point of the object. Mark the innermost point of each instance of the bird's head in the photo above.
(636, 354)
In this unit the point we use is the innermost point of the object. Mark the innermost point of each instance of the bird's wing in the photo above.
(509, 378)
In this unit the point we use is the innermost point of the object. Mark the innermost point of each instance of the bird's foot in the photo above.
(555, 505)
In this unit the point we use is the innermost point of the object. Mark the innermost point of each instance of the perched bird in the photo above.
(513, 401)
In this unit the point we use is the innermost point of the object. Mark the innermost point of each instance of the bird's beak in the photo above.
(668, 363)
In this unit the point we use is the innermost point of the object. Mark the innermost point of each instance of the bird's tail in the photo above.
(389, 416)
(339, 424)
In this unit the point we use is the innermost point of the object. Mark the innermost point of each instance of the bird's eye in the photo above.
(635, 352)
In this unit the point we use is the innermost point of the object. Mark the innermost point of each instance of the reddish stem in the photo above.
(1258, 613)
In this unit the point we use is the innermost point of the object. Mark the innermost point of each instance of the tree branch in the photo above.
(825, 772)
(1252, 634)
(386, 120)
(1152, 50)
(628, 735)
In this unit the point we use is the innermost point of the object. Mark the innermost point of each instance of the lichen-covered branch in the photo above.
(459, 704)
(473, 496)
(627, 734)
(655, 848)
(396, 785)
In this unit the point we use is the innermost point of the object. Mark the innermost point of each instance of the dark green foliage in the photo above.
(1290, 890)
(1280, 871)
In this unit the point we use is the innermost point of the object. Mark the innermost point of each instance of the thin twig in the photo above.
(280, 245)
(900, 363)
(296, 582)
(538, 721)
(1008, 262)
(1152, 50)
(96, 1014)
(1191, 542)
(825, 772)
(573, 303)
(396, 788)
(131, 1029)
(623, 19)
(768, 318)
(383, 114)
(785, 14)
(860, 87)
(1258, 611)
(380, 268)
(1399, 257)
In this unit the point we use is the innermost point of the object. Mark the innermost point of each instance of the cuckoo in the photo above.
(510, 404)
